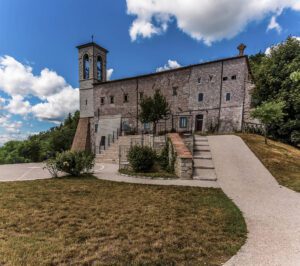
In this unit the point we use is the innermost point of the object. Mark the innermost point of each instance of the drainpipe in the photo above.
(137, 105)
(221, 92)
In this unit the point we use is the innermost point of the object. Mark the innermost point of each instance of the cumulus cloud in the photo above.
(18, 106)
(109, 73)
(204, 20)
(57, 97)
(170, 65)
(274, 25)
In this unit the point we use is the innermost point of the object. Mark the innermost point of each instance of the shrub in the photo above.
(73, 163)
(141, 158)
(51, 166)
(163, 158)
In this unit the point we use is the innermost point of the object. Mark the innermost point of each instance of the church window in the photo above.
(86, 102)
(112, 99)
(96, 128)
(99, 68)
(200, 97)
(228, 96)
(183, 122)
(233, 77)
(102, 100)
(86, 67)
(225, 78)
(125, 98)
(199, 80)
(174, 91)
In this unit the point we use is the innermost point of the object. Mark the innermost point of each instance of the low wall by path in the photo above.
(182, 156)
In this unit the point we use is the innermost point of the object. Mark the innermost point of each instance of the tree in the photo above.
(154, 109)
(269, 113)
(277, 78)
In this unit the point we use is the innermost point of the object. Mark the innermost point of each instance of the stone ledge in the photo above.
(180, 148)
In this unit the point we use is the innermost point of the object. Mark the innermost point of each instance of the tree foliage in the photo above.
(277, 78)
(154, 109)
(41, 146)
(269, 113)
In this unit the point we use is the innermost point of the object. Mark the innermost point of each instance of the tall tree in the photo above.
(154, 109)
(275, 76)
(269, 113)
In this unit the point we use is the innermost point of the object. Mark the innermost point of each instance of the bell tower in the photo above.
(92, 69)
(92, 64)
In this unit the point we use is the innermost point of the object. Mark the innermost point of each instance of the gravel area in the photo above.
(272, 212)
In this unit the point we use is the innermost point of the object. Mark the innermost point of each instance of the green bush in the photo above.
(141, 158)
(73, 163)
(163, 158)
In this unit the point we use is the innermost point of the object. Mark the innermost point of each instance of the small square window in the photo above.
(183, 122)
(102, 100)
(112, 99)
(174, 91)
(200, 97)
(125, 98)
(225, 78)
(228, 96)
(199, 80)
(233, 77)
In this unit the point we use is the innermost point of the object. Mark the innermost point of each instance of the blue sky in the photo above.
(141, 36)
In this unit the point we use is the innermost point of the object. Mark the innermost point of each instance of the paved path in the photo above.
(33, 171)
(272, 212)
(24, 171)
(110, 172)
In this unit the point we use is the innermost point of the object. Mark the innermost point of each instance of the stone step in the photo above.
(203, 163)
(201, 148)
(202, 155)
(198, 138)
(203, 144)
(204, 174)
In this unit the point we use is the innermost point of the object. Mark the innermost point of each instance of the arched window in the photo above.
(99, 68)
(86, 67)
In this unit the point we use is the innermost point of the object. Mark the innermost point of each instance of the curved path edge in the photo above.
(272, 212)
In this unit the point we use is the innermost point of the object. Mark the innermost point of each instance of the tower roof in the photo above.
(92, 44)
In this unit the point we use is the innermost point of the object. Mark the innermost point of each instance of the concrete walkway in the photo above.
(272, 212)
(110, 172)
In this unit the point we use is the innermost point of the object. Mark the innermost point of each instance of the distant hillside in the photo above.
(42, 146)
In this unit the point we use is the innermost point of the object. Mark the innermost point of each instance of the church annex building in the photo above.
(208, 97)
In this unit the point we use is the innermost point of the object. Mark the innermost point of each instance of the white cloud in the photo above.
(12, 127)
(57, 97)
(109, 73)
(203, 20)
(274, 25)
(18, 106)
(57, 106)
(170, 65)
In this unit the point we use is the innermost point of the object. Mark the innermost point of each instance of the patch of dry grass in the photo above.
(283, 161)
(89, 221)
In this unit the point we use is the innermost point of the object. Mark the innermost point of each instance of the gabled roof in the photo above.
(177, 69)
(91, 44)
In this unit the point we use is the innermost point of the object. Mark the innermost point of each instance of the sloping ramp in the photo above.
(81, 141)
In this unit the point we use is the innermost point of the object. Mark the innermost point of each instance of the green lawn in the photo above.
(89, 221)
(283, 161)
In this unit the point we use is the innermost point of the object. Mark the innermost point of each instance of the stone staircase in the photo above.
(111, 154)
(203, 167)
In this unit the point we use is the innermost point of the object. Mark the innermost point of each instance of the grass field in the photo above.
(283, 161)
(89, 221)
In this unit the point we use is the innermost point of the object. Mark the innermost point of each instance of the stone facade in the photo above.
(223, 105)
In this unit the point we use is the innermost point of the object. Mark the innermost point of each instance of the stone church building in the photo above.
(208, 97)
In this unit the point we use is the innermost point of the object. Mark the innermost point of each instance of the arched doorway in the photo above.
(199, 122)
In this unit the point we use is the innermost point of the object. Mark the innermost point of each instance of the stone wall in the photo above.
(183, 158)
